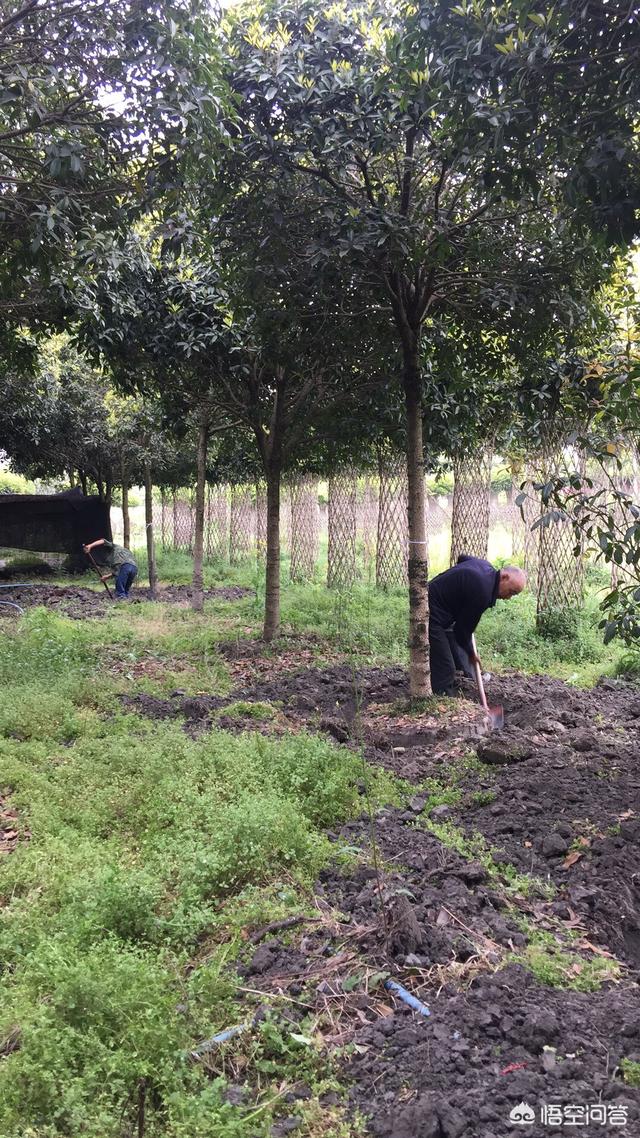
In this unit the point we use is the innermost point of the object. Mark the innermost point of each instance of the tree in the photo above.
(597, 400)
(444, 162)
(57, 424)
(164, 327)
(100, 103)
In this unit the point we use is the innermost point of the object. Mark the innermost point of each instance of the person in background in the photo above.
(121, 565)
(457, 599)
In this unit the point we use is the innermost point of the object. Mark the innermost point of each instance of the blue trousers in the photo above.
(125, 577)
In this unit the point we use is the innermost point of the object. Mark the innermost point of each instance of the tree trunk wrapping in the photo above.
(304, 528)
(148, 517)
(197, 599)
(240, 537)
(419, 669)
(560, 584)
(261, 524)
(392, 541)
(341, 557)
(471, 503)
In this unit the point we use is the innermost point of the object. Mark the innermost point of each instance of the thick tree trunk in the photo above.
(108, 492)
(72, 479)
(148, 517)
(83, 481)
(419, 671)
(272, 582)
(197, 600)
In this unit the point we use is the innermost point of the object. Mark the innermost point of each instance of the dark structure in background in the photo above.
(53, 523)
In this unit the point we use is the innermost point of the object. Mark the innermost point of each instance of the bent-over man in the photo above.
(121, 565)
(457, 599)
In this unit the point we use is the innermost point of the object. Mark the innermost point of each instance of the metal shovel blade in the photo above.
(495, 718)
(494, 715)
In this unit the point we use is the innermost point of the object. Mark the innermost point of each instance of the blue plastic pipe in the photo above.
(216, 1040)
(406, 997)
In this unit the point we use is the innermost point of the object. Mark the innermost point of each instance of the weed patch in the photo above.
(149, 855)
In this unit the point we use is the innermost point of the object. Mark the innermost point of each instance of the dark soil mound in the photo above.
(481, 1053)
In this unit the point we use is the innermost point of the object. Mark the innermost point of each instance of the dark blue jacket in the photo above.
(460, 595)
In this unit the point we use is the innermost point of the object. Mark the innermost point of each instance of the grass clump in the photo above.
(557, 968)
(243, 709)
(474, 847)
(630, 1072)
(628, 666)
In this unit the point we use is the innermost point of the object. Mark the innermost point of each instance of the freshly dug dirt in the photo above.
(495, 1036)
(570, 810)
(461, 1071)
(80, 603)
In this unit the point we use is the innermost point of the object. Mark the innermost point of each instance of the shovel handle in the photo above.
(97, 569)
(478, 675)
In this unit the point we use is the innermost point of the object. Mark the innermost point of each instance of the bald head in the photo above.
(512, 581)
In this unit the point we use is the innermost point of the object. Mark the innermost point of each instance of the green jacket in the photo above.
(116, 555)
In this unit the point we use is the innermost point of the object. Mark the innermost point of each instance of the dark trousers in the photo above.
(125, 577)
(447, 657)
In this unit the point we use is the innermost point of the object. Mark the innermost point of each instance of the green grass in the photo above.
(150, 854)
(630, 1072)
(475, 848)
(557, 968)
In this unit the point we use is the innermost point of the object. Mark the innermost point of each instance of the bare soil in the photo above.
(80, 602)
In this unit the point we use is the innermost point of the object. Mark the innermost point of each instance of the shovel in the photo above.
(97, 569)
(494, 715)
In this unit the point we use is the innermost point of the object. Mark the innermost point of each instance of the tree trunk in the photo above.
(72, 479)
(108, 493)
(148, 517)
(272, 581)
(197, 600)
(126, 520)
(83, 482)
(419, 671)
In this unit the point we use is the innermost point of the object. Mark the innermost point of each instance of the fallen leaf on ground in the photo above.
(586, 944)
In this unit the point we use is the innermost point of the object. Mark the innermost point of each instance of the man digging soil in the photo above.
(457, 599)
(120, 562)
